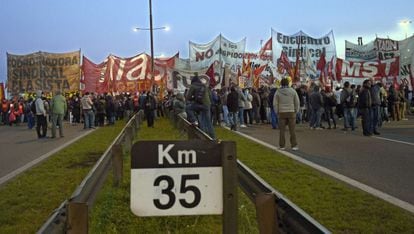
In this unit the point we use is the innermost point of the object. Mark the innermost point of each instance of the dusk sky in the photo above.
(100, 28)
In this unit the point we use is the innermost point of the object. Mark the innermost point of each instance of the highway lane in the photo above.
(385, 163)
(20, 146)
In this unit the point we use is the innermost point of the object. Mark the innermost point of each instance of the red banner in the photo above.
(92, 74)
(117, 74)
(367, 69)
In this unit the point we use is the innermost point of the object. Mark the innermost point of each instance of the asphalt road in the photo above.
(20, 145)
(384, 162)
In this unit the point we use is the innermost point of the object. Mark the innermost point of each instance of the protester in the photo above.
(88, 114)
(286, 104)
(41, 123)
(329, 105)
(365, 108)
(348, 100)
(179, 105)
(273, 114)
(233, 107)
(375, 106)
(199, 100)
(58, 110)
(316, 103)
(149, 107)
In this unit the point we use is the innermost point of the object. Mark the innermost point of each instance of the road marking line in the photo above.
(397, 141)
(377, 193)
(16, 172)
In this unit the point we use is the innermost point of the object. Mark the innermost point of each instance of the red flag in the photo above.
(267, 46)
(296, 71)
(210, 74)
(259, 70)
(256, 75)
(247, 68)
(285, 63)
(330, 68)
(321, 63)
(321, 67)
(338, 69)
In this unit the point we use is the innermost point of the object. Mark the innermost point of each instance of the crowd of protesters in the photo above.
(234, 107)
(320, 107)
(42, 112)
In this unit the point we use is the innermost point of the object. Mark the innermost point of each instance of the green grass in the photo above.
(27, 201)
(111, 213)
(337, 206)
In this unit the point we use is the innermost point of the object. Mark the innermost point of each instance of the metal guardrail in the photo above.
(275, 213)
(72, 214)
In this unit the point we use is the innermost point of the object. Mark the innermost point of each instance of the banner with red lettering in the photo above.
(220, 49)
(367, 69)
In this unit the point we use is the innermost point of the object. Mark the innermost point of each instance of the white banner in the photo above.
(403, 49)
(406, 52)
(355, 52)
(220, 49)
(232, 52)
(305, 43)
(202, 55)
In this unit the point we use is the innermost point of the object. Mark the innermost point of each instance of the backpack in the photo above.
(332, 100)
(351, 100)
(199, 94)
(100, 107)
(33, 106)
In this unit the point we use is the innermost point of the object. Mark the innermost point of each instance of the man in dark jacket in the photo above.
(149, 107)
(233, 106)
(364, 104)
(316, 103)
(201, 106)
(375, 107)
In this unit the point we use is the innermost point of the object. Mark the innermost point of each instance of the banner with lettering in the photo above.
(231, 53)
(305, 44)
(44, 71)
(355, 52)
(118, 74)
(220, 49)
(179, 76)
(403, 49)
(378, 69)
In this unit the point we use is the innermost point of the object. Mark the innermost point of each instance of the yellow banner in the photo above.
(48, 72)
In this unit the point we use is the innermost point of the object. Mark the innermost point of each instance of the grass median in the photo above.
(27, 201)
(337, 206)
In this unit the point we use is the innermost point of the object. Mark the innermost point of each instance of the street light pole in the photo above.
(152, 45)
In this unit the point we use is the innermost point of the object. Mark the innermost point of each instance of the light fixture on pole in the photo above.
(405, 25)
(151, 29)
